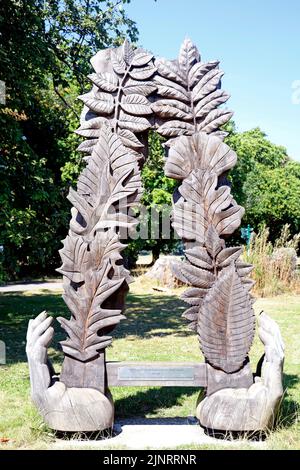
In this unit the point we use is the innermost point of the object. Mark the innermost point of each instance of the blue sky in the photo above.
(258, 44)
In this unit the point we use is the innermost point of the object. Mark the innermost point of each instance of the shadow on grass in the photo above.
(289, 412)
(147, 316)
(151, 400)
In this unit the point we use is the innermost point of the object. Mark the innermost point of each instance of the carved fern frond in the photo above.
(204, 204)
(107, 189)
(226, 322)
(111, 176)
(191, 95)
(119, 98)
(102, 278)
(204, 212)
(198, 152)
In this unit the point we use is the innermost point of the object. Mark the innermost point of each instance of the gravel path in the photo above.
(29, 286)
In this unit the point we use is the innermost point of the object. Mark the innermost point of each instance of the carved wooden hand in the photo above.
(254, 408)
(63, 409)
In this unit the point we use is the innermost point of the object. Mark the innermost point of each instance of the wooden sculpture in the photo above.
(132, 93)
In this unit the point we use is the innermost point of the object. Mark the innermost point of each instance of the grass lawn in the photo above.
(153, 331)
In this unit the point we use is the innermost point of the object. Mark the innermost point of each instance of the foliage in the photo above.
(156, 201)
(265, 181)
(157, 196)
(272, 198)
(274, 263)
(252, 148)
(45, 49)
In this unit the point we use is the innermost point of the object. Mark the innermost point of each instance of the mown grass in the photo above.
(153, 331)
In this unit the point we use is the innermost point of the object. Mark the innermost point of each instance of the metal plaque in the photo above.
(155, 373)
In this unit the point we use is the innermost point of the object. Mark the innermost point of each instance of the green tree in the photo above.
(45, 47)
(265, 181)
(157, 203)
(272, 198)
(158, 191)
(252, 148)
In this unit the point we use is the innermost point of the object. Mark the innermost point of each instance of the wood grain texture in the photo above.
(226, 322)
(132, 92)
(91, 256)
(204, 213)
(251, 408)
(204, 204)
(119, 98)
(63, 408)
(189, 95)
(217, 379)
(198, 152)
(95, 281)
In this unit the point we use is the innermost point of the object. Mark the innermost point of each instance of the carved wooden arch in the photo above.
(132, 93)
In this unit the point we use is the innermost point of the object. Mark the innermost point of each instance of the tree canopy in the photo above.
(265, 181)
(45, 47)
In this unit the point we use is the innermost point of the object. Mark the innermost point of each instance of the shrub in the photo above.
(275, 265)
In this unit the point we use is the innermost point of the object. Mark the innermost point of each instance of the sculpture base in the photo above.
(238, 410)
(80, 410)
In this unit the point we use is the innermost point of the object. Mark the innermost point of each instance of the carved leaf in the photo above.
(95, 123)
(128, 52)
(198, 256)
(106, 81)
(214, 244)
(136, 104)
(129, 139)
(228, 256)
(248, 283)
(89, 133)
(198, 71)
(172, 93)
(220, 134)
(87, 146)
(243, 269)
(99, 102)
(91, 128)
(141, 58)
(208, 84)
(215, 119)
(193, 275)
(118, 62)
(172, 109)
(188, 55)
(139, 87)
(226, 322)
(211, 102)
(199, 151)
(170, 70)
(175, 128)
(110, 176)
(170, 89)
(196, 85)
(75, 258)
(89, 318)
(188, 220)
(142, 73)
(133, 123)
(193, 296)
(191, 314)
(214, 206)
(94, 278)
